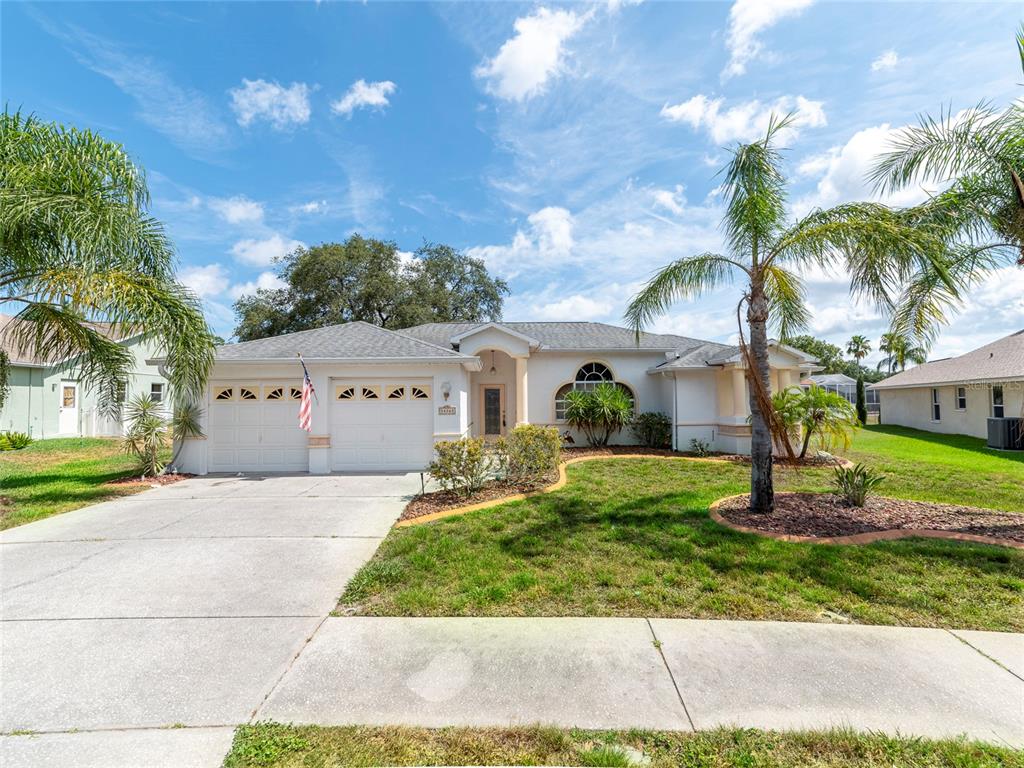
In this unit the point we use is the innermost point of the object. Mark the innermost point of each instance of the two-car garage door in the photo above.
(374, 425)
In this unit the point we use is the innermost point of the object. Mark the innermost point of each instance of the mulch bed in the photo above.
(438, 501)
(152, 482)
(826, 515)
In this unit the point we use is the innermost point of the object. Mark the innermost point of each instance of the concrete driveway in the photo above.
(180, 606)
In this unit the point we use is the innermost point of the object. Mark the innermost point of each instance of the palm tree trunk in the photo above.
(762, 490)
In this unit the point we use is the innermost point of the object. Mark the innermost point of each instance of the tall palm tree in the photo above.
(858, 347)
(977, 158)
(766, 251)
(899, 352)
(77, 247)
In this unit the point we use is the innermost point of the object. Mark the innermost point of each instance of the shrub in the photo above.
(815, 413)
(529, 453)
(862, 405)
(148, 430)
(700, 447)
(598, 413)
(652, 429)
(855, 483)
(14, 441)
(460, 465)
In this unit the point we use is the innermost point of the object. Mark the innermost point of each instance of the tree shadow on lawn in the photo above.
(55, 487)
(890, 576)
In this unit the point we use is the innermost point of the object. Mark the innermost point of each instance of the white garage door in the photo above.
(381, 424)
(254, 427)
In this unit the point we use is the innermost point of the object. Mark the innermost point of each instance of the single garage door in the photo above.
(254, 427)
(381, 425)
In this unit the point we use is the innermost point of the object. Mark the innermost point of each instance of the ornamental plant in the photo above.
(652, 429)
(461, 466)
(598, 413)
(529, 453)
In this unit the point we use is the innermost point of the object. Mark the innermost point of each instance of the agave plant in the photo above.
(147, 433)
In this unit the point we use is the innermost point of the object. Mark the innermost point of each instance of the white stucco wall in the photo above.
(912, 407)
(548, 371)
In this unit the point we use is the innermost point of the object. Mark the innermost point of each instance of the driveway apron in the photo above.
(175, 610)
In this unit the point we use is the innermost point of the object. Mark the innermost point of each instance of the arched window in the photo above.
(587, 377)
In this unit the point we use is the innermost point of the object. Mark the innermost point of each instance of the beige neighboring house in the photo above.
(958, 395)
(385, 397)
(47, 399)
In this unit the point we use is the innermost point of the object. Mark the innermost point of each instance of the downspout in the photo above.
(675, 410)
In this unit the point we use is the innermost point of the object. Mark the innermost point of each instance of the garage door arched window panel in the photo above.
(367, 392)
(248, 394)
(589, 376)
(223, 393)
(295, 393)
(273, 393)
(344, 392)
(421, 393)
(395, 393)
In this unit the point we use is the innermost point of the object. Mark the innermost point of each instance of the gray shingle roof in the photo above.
(347, 341)
(1002, 359)
(699, 355)
(9, 343)
(561, 335)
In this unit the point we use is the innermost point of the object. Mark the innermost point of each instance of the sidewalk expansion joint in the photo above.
(287, 669)
(163, 618)
(116, 729)
(982, 653)
(679, 694)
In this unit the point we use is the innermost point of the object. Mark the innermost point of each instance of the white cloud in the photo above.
(747, 19)
(313, 206)
(237, 210)
(672, 200)
(265, 280)
(280, 106)
(364, 94)
(576, 307)
(261, 253)
(547, 240)
(210, 280)
(844, 173)
(406, 258)
(534, 55)
(745, 121)
(181, 113)
(888, 60)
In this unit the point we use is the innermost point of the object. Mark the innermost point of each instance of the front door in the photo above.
(67, 424)
(494, 410)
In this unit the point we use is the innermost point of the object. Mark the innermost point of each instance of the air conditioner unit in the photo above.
(1006, 434)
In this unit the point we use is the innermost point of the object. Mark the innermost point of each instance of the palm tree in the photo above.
(77, 247)
(875, 244)
(899, 352)
(977, 157)
(858, 347)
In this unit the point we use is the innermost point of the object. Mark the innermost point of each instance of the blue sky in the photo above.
(572, 146)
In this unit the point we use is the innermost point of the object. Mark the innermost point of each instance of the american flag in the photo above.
(306, 405)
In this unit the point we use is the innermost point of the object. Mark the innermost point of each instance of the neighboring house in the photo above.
(385, 397)
(46, 399)
(843, 385)
(958, 394)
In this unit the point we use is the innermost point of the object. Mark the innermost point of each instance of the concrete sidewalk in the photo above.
(658, 674)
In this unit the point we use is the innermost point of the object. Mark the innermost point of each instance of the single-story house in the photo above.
(957, 395)
(46, 399)
(844, 385)
(385, 397)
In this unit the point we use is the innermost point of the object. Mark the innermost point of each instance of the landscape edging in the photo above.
(558, 484)
(858, 538)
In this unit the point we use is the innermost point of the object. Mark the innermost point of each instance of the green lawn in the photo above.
(53, 476)
(632, 537)
(281, 746)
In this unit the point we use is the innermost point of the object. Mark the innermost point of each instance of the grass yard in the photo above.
(282, 746)
(632, 537)
(53, 476)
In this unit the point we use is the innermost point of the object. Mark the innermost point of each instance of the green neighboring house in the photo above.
(47, 400)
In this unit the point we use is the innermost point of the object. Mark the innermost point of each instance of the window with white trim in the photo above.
(587, 378)
(156, 392)
(961, 398)
(936, 410)
(998, 409)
